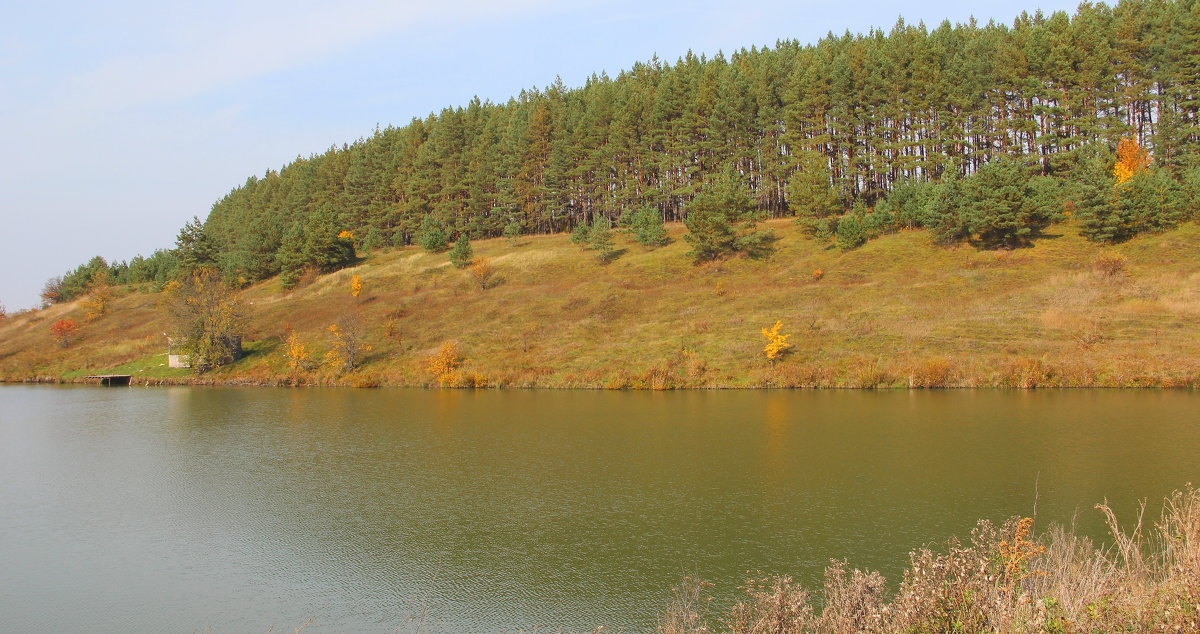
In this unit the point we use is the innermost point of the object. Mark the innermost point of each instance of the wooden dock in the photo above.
(111, 379)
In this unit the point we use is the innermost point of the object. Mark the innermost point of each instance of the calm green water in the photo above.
(179, 509)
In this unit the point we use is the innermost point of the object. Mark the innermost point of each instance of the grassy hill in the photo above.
(898, 312)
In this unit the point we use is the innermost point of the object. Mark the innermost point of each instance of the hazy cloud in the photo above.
(218, 50)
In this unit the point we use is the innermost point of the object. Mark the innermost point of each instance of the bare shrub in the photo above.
(855, 601)
(347, 339)
(930, 373)
(1005, 579)
(661, 376)
(391, 329)
(870, 374)
(1026, 374)
(950, 592)
(775, 604)
(483, 273)
(1110, 265)
(687, 613)
(696, 366)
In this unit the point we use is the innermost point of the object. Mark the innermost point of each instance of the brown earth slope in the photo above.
(898, 312)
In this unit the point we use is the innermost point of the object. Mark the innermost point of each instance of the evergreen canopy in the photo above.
(809, 129)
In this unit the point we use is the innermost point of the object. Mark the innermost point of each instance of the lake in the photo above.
(181, 509)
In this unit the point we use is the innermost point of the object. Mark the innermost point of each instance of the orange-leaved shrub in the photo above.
(1109, 264)
(64, 331)
(482, 272)
(444, 363)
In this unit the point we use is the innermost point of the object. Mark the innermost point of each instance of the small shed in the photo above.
(174, 359)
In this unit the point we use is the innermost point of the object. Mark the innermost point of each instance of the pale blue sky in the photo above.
(122, 120)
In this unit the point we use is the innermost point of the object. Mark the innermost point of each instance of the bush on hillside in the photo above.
(1148, 201)
(462, 253)
(721, 222)
(995, 207)
(646, 225)
(432, 235)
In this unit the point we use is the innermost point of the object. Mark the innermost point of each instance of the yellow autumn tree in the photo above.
(297, 356)
(482, 272)
(777, 344)
(356, 286)
(349, 348)
(100, 295)
(1132, 158)
(443, 364)
(207, 317)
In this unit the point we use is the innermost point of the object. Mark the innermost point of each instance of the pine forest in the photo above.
(982, 133)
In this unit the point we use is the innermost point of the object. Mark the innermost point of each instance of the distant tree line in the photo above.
(151, 272)
(983, 133)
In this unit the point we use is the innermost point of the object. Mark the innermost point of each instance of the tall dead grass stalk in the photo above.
(1004, 579)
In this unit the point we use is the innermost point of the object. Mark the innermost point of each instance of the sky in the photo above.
(122, 120)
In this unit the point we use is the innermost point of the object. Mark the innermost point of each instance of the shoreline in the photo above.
(286, 383)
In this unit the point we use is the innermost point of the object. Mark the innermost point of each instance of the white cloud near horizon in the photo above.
(216, 52)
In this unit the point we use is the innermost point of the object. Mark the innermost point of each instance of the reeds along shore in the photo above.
(1003, 579)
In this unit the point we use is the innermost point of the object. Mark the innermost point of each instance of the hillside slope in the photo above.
(897, 312)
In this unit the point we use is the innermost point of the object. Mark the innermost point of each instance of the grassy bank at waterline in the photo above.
(897, 312)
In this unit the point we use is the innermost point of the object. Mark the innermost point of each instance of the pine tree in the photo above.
(810, 191)
(432, 235)
(581, 234)
(1151, 200)
(290, 257)
(647, 227)
(600, 239)
(373, 240)
(721, 222)
(996, 207)
(462, 253)
(327, 247)
(195, 248)
(512, 229)
(851, 231)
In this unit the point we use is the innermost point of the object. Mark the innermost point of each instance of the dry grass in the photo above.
(1004, 579)
(899, 312)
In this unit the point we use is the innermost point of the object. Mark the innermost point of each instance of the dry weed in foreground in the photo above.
(1005, 579)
